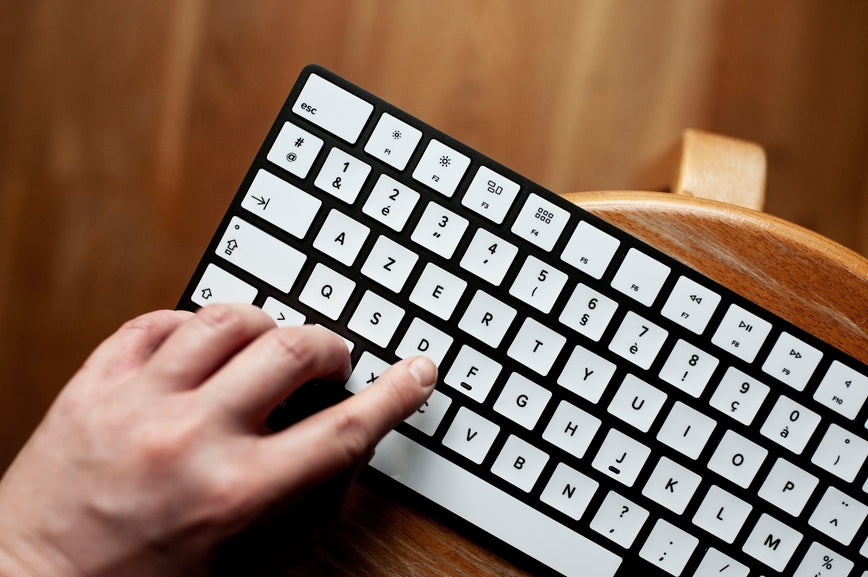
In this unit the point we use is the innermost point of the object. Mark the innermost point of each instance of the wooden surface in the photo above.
(817, 285)
(127, 126)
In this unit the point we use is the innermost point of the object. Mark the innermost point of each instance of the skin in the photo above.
(155, 453)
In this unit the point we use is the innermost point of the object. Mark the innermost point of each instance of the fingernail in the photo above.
(424, 370)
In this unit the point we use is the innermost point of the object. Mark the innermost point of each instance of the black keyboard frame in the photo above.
(318, 394)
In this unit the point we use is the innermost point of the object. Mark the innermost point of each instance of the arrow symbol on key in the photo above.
(206, 293)
(263, 202)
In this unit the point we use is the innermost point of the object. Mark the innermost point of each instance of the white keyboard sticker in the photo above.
(393, 141)
(218, 286)
(490, 194)
(331, 107)
(441, 168)
(261, 254)
(792, 361)
(640, 277)
(843, 390)
(540, 222)
(342, 175)
(590, 250)
(281, 203)
(295, 149)
(741, 333)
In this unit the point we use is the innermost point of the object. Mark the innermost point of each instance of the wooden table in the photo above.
(817, 285)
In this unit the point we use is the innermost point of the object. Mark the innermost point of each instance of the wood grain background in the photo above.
(125, 127)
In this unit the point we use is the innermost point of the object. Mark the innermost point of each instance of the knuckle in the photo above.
(353, 435)
(226, 495)
(292, 346)
(223, 318)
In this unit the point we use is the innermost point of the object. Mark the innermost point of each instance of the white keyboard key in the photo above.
(586, 374)
(522, 401)
(487, 319)
(737, 459)
(472, 373)
(788, 487)
(741, 333)
(538, 284)
(638, 340)
(490, 194)
(686, 430)
(218, 286)
(422, 338)
(389, 263)
(367, 370)
(772, 542)
(841, 453)
(640, 277)
(341, 237)
(790, 424)
(261, 254)
(717, 564)
(688, 368)
(470, 435)
(620, 457)
(637, 403)
(569, 491)
(429, 416)
(342, 175)
(295, 149)
(327, 291)
(393, 141)
(690, 305)
(491, 509)
(820, 561)
(441, 168)
(739, 396)
(792, 361)
(376, 319)
(668, 547)
(540, 222)
(722, 514)
(439, 230)
(590, 250)
(671, 485)
(283, 315)
(488, 256)
(438, 291)
(571, 429)
(588, 312)
(331, 107)
(281, 203)
(838, 515)
(619, 519)
(843, 390)
(520, 463)
(391, 203)
(536, 346)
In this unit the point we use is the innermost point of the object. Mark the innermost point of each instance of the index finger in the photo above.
(321, 446)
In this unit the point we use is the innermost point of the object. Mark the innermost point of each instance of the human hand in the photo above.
(155, 452)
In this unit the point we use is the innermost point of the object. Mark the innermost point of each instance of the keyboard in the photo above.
(602, 409)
